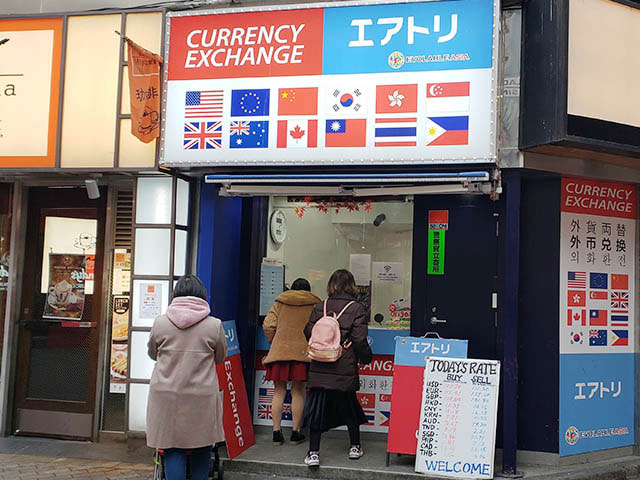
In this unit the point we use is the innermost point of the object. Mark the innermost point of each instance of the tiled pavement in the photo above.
(31, 467)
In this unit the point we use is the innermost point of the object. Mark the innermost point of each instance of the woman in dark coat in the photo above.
(332, 386)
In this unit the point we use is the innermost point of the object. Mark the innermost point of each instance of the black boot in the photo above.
(297, 437)
(278, 439)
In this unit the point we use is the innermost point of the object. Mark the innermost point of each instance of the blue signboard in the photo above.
(231, 334)
(411, 351)
(444, 35)
(596, 402)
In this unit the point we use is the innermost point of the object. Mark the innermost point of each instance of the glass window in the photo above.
(152, 251)
(153, 200)
(372, 239)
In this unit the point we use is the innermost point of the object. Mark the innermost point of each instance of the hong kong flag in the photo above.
(576, 298)
(397, 98)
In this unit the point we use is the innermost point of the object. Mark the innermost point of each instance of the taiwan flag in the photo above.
(619, 338)
(298, 101)
(449, 97)
(447, 131)
(598, 318)
(619, 282)
(397, 98)
(346, 133)
(297, 133)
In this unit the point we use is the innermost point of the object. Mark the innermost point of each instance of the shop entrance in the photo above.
(60, 314)
(461, 302)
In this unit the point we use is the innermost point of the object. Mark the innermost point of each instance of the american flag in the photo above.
(620, 300)
(577, 280)
(203, 104)
(264, 411)
(265, 395)
(202, 135)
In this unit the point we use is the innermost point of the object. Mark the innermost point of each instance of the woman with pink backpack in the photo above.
(337, 333)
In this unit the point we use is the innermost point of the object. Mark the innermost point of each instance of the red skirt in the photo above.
(287, 370)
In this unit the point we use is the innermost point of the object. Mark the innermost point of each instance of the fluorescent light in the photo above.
(417, 190)
(257, 190)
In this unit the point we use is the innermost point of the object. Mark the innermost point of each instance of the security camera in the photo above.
(379, 219)
(93, 191)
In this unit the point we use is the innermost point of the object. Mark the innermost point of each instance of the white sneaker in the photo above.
(355, 452)
(312, 459)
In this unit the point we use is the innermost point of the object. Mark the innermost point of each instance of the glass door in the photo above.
(60, 314)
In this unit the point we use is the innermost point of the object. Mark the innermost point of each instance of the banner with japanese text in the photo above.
(597, 305)
(385, 83)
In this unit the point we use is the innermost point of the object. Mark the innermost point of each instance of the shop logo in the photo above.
(396, 60)
(572, 435)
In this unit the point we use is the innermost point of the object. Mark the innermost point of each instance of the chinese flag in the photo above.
(298, 101)
(397, 98)
(619, 282)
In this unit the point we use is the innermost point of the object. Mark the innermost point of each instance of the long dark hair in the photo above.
(342, 282)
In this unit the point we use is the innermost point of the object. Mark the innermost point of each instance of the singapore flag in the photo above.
(447, 98)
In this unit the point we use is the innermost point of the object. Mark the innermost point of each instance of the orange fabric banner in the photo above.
(144, 91)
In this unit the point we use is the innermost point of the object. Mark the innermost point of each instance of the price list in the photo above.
(456, 435)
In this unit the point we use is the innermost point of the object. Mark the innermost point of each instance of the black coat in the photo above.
(343, 373)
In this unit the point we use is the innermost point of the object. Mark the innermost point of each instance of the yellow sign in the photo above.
(29, 91)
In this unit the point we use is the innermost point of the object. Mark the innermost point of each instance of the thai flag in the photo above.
(448, 130)
(396, 132)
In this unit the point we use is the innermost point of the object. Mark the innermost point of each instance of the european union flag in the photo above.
(246, 134)
(250, 103)
(598, 280)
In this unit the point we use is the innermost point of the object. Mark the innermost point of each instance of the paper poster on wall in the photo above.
(119, 344)
(596, 324)
(458, 414)
(389, 273)
(271, 283)
(150, 300)
(360, 267)
(65, 296)
(121, 272)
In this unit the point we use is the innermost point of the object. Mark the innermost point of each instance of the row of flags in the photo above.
(609, 294)
(396, 120)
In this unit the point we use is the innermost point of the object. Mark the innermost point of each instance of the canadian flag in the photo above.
(297, 133)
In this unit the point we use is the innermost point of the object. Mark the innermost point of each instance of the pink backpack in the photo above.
(324, 343)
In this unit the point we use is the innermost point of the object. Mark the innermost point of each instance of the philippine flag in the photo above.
(346, 133)
(450, 97)
(297, 133)
(448, 131)
(598, 318)
(619, 338)
(396, 132)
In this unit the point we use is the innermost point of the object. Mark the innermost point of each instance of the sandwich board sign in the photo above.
(456, 436)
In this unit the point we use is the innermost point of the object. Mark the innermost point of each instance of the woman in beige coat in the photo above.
(184, 411)
(287, 360)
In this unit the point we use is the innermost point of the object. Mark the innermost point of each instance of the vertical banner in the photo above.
(458, 418)
(119, 344)
(65, 295)
(410, 355)
(144, 92)
(238, 430)
(438, 225)
(596, 324)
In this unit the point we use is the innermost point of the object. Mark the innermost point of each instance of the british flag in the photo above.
(202, 135)
(264, 411)
(620, 300)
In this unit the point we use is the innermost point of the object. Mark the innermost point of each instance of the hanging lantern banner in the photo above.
(367, 84)
(144, 92)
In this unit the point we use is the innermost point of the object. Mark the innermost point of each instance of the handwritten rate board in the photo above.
(456, 436)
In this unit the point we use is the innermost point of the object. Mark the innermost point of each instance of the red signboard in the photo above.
(403, 426)
(238, 429)
(251, 44)
(598, 198)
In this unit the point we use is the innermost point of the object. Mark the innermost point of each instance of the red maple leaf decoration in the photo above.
(367, 207)
(300, 211)
(308, 200)
(297, 133)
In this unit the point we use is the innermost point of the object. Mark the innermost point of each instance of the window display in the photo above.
(373, 239)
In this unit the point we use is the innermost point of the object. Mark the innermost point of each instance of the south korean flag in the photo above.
(344, 100)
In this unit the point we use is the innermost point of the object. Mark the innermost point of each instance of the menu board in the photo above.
(456, 436)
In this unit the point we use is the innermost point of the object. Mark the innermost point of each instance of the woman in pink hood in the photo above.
(184, 411)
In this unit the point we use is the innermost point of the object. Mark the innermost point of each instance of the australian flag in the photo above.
(246, 134)
(597, 338)
(250, 103)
